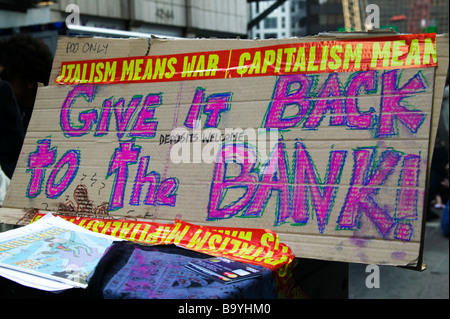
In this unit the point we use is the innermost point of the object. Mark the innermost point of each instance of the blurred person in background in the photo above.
(12, 132)
(24, 62)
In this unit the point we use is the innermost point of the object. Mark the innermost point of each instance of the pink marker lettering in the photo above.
(244, 156)
(360, 196)
(212, 105)
(145, 125)
(217, 103)
(274, 176)
(72, 160)
(105, 117)
(392, 110)
(322, 194)
(43, 157)
(123, 156)
(330, 88)
(123, 116)
(407, 197)
(167, 192)
(196, 107)
(87, 118)
(285, 94)
(142, 177)
(360, 80)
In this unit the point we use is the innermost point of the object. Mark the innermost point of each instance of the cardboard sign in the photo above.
(324, 140)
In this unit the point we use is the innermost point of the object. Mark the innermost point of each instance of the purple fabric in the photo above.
(159, 273)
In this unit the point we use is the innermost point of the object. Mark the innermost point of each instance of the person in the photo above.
(11, 140)
(438, 191)
(24, 62)
(12, 132)
(443, 127)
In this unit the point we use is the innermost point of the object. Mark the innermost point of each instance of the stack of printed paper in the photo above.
(51, 254)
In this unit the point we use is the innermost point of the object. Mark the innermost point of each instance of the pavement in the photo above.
(401, 283)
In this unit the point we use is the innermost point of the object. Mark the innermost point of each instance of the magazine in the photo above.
(51, 254)
(224, 270)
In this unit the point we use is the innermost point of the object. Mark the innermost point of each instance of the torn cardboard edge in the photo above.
(441, 71)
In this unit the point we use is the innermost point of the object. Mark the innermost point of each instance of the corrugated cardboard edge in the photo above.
(442, 50)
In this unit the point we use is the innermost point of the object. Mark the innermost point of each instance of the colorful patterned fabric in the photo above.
(133, 271)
